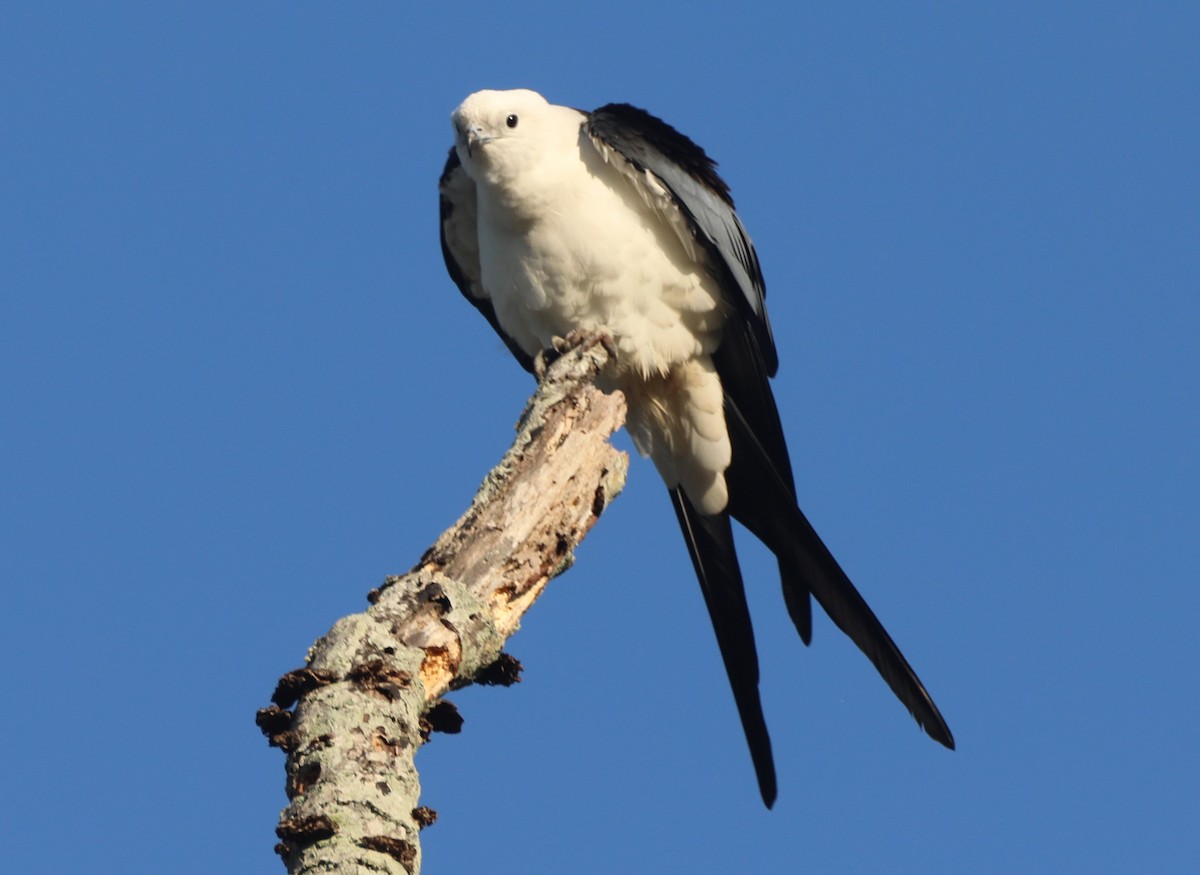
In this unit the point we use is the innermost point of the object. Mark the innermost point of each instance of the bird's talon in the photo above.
(578, 339)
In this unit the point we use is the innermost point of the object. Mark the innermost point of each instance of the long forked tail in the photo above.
(761, 501)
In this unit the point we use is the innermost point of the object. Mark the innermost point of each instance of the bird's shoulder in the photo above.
(652, 144)
(678, 176)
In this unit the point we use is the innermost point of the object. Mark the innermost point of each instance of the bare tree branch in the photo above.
(370, 693)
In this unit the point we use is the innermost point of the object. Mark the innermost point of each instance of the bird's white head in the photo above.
(500, 135)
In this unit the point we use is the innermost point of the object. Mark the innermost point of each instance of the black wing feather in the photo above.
(747, 357)
(743, 374)
(652, 145)
(760, 500)
(454, 178)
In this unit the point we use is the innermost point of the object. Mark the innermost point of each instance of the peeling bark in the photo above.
(369, 695)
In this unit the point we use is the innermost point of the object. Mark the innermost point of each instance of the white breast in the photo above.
(592, 253)
(596, 257)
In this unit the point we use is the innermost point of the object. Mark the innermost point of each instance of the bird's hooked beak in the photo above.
(471, 136)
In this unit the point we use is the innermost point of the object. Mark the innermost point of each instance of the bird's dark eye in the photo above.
(511, 121)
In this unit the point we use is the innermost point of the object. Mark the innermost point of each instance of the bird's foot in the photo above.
(578, 339)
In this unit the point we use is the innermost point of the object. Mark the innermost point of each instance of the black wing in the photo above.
(744, 362)
(460, 246)
(747, 357)
(651, 145)
(762, 491)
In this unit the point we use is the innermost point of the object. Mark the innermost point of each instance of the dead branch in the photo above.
(353, 718)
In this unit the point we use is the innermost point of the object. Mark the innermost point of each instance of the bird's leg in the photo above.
(560, 346)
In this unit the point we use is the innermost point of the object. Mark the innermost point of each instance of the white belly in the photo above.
(603, 260)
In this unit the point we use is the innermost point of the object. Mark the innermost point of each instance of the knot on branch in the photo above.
(504, 672)
(296, 683)
(403, 852)
(298, 832)
(442, 717)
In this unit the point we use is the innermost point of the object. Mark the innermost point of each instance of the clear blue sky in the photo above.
(238, 390)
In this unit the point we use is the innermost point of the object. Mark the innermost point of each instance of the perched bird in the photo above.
(556, 221)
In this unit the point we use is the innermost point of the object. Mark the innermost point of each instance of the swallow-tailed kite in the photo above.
(556, 221)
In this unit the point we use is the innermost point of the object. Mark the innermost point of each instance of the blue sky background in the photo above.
(238, 390)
